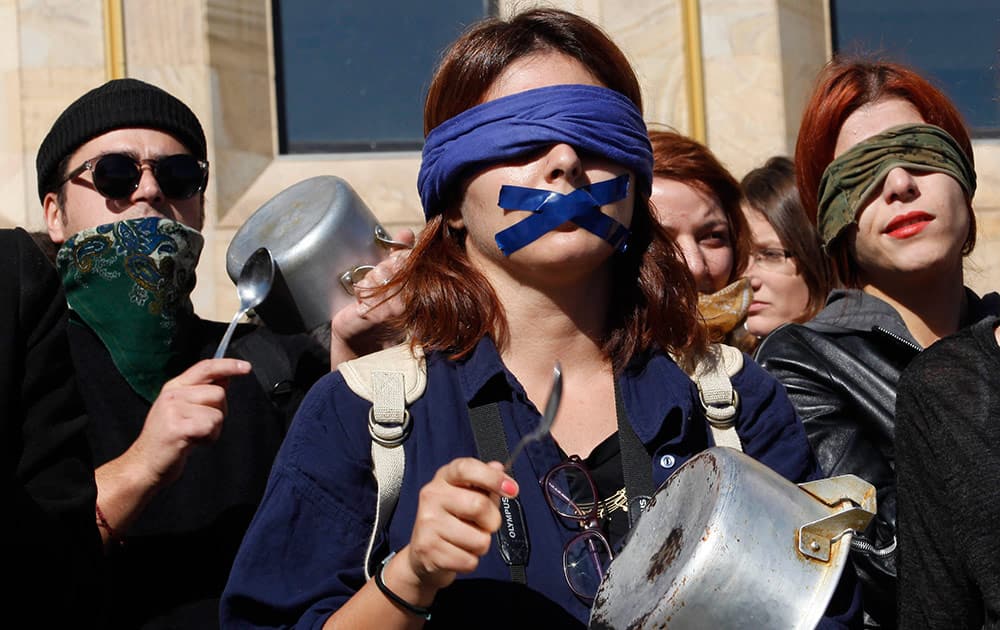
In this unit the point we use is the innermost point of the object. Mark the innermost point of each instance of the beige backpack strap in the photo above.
(391, 379)
(712, 373)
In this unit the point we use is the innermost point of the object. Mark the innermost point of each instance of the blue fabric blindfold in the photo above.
(552, 209)
(591, 119)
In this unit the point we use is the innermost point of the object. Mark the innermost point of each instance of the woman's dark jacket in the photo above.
(841, 370)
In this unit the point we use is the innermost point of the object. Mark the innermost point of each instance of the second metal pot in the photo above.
(321, 235)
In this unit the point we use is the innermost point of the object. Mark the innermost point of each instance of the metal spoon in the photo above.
(252, 286)
(543, 428)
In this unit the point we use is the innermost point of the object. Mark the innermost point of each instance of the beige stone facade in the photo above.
(756, 62)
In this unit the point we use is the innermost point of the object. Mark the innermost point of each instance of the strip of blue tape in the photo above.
(551, 209)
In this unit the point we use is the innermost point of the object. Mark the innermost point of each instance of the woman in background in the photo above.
(788, 271)
(698, 201)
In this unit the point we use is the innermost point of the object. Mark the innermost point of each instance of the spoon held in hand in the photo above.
(543, 428)
(252, 287)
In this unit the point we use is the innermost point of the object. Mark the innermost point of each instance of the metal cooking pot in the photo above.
(323, 238)
(729, 543)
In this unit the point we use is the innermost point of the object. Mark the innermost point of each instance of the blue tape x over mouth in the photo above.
(551, 209)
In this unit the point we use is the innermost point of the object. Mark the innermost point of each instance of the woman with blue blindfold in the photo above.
(539, 247)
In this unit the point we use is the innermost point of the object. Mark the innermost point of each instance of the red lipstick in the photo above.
(907, 225)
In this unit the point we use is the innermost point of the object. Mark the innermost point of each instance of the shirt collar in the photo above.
(480, 367)
(652, 386)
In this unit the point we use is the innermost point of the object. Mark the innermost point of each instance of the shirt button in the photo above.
(667, 461)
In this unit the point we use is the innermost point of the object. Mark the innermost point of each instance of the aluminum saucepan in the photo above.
(729, 543)
(323, 238)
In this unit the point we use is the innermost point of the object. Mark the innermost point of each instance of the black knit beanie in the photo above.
(118, 104)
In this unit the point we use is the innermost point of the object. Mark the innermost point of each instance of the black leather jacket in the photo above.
(841, 370)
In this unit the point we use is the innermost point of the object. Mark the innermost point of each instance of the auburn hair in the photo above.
(448, 305)
(842, 87)
(684, 159)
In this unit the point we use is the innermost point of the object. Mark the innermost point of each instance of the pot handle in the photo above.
(382, 238)
(352, 276)
(816, 537)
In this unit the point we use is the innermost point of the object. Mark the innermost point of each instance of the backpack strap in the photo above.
(712, 373)
(391, 379)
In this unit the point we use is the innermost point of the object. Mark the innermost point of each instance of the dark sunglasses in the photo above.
(116, 175)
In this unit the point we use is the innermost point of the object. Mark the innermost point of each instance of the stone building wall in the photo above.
(758, 59)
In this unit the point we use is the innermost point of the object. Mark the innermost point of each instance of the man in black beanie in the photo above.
(182, 443)
(118, 113)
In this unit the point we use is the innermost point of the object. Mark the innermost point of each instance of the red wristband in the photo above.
(103, 522)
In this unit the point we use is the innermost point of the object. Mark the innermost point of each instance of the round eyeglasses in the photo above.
(571, 493)
(773, 259)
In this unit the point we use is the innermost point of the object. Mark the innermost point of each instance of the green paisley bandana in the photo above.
(130, 281)
(850, 179)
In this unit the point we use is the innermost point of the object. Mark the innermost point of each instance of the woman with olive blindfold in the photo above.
(885, 169)
(121, 178)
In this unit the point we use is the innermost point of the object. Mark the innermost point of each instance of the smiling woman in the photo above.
(698, 202)
(885, 168)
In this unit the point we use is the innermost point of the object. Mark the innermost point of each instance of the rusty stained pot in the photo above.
(729, 543)
(320, 233)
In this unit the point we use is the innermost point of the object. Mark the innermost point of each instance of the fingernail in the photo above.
(509, 487)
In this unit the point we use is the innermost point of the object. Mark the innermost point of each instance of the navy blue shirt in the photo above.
(302, 557)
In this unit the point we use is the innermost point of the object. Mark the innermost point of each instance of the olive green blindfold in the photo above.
(854, 176)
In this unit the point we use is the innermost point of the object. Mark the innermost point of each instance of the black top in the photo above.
(841, 371)
(948, 469)
(176, 556)
(605, 466)
(52, 545)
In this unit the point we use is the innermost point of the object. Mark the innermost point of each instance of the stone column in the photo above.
(53, 52)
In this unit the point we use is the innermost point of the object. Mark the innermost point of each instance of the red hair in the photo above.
(686, 160)
(478, 58)
(448, 305)
(843, 87)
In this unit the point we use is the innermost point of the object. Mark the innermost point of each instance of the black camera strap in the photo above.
(636, 460)
(512, 537)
